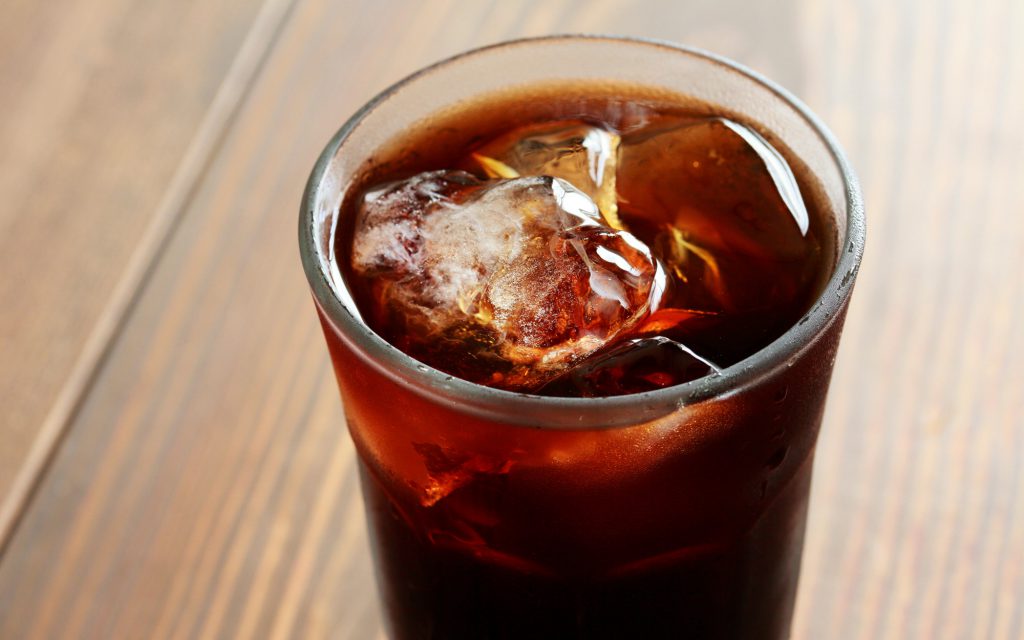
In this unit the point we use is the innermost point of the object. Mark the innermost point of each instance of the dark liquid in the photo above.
(443, 584)
(740, 254)
(483, 530)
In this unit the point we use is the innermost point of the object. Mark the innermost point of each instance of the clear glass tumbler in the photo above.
(672, 513)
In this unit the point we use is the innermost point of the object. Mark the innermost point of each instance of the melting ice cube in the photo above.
(505, 282)
(637, 365)
(579, 153)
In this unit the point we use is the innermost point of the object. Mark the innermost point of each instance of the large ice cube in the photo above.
(579, 153)
(718, 194)
(506, 282)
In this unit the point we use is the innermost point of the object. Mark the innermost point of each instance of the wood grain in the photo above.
(100, 101)
(206, 486)
(916, 529)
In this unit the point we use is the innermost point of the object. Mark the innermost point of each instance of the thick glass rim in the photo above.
(575, 413)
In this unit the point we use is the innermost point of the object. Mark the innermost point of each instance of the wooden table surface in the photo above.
(173, 459)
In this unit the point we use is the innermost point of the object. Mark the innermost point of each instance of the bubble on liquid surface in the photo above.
(504, 282)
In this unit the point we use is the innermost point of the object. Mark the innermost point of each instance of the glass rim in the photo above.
(575, 413)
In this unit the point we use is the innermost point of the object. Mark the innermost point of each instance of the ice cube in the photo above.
(450, 469)
(579, 153)
(505, 282)
(634, 366)
(389, 228)
(719, 193)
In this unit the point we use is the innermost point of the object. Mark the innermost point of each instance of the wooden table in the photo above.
(173, 461)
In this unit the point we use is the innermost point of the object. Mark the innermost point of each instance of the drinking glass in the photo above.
(672, 513)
